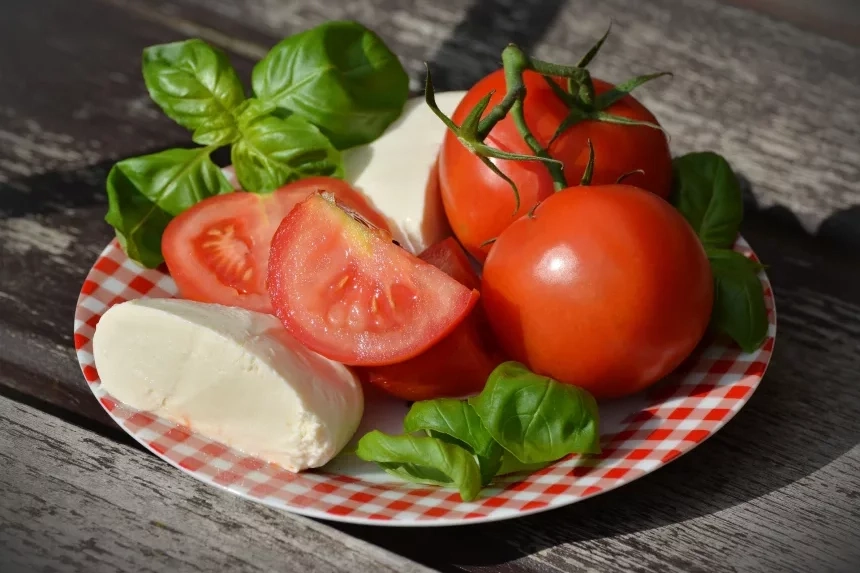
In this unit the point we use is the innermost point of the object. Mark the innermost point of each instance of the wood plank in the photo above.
(837, 19)
(77, 501)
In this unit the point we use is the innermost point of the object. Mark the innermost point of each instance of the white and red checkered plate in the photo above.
(638, 434)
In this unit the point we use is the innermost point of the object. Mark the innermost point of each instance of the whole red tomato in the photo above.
(606, 287)
(460, 363)
(480, 205)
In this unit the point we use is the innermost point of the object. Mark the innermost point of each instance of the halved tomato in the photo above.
(459, 364)
(345, 290)
(218, 250)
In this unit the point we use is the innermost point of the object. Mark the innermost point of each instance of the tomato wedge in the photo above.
(218, 250)
(345, 290)
(459, 364)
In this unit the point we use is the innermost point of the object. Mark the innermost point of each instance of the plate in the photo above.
(638, 434)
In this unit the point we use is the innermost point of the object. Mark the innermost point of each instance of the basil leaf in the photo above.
(340, 76)
(145, 193)
(252, 109)
(708, 195)
(196, 86)
(511, 465)
(274, 151)
(455, 421)
(423, 460)
(536, 418)
(739, 309)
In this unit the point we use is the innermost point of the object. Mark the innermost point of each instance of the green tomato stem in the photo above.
(515, 63)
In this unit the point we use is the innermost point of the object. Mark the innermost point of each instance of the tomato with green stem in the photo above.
(505, 152)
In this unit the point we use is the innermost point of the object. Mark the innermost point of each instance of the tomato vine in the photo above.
(578, 95)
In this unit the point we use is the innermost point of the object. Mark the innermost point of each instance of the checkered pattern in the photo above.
(639, 434)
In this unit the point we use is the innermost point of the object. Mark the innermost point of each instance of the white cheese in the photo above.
(394, 173)
(230, 374)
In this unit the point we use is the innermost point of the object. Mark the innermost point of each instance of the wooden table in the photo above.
(777, 490)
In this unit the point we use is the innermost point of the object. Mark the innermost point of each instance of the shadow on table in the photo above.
(474, 47)
(70, 191)
(805, 414)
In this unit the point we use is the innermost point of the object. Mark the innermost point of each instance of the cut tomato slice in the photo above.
(218, 250)
(459, 364)
(345, 290)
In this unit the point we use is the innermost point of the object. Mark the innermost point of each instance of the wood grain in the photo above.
(80, 502)
(767, 99)
(776, 490)
(837, 19)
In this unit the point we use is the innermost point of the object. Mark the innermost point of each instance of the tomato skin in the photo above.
(607, 288)
(253, 218)
(345, 290)
(620, 149)
(460, 363)
(480, 205)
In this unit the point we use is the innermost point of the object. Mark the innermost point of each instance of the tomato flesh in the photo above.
(480, 205)
(346, 291)
(225, 247)
(460, 363)
(607, 288)
(218, 250)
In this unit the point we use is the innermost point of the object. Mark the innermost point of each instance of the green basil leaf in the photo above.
(707, 193)
(739, 309)
(340, 76)
(252, 109)
(536, 418)
(456, 422)
(145, 193)
(274, 151)
(423, 460)
(511, 465)
(196, 86)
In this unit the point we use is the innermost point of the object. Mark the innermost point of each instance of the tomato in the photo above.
(480, 205)
(218, 250)
(345, 290)
(607, 288)
(460, 363)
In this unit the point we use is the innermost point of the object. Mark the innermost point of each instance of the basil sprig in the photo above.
(536, 418)
(339, 76)
(330, 87)
(195, 85)
(273, 151)
(707, 193)
(423, 460)
(520, 421)
(456, 422)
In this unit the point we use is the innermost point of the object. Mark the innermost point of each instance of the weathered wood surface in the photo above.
(780, 103)
(75, 501)
(835, 19)
(775, 490)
